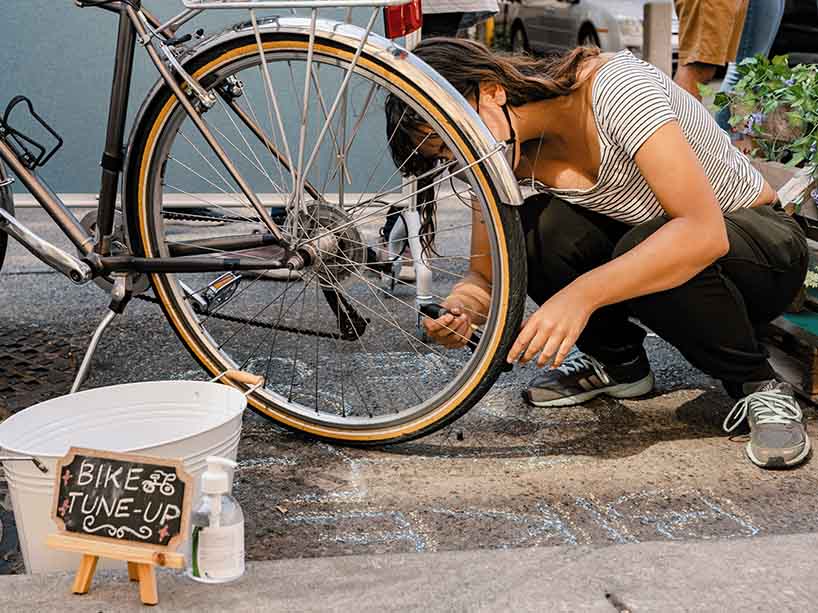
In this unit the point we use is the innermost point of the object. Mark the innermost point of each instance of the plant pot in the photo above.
(775, 125)
(775, 173)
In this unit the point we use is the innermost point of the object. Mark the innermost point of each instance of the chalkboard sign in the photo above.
(122, 497)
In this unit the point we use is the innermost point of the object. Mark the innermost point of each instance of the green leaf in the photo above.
(721, 100)
(705, 91)
(780, 60)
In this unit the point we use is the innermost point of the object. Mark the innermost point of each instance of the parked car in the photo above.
(798, 35)
(542, 26)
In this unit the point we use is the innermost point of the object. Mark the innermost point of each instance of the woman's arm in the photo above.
(693, 239)
(469, 300)
(475, 288)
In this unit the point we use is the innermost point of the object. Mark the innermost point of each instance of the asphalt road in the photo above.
(507, 475)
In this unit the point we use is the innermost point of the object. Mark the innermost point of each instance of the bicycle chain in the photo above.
(261, 324)
(348, 335)
(176, 216)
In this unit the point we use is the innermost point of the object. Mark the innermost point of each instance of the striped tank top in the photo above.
(631, 100)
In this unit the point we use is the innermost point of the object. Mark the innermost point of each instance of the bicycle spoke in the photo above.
(403, 198)
(370, 358)
(271, 144)
(275, 335)
(272, 101)
(203, 200)
(300, 171)
(342, 90)
(256, 162)
(302, 293)
(212, 166)
(408, 336)
(324, 112)
(209, 182)
(369, 284)
(355, 128)
(258, 313)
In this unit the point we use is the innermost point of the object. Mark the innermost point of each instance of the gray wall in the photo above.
(61, 57)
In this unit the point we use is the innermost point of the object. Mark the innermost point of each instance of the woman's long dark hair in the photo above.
(466, 64)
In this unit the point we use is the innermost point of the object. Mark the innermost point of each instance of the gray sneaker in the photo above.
(581, 377)
(778, 438)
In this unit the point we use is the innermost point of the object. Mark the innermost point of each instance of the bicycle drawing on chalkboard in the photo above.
(261, 209)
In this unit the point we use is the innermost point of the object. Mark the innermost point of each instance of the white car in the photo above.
(541, 26)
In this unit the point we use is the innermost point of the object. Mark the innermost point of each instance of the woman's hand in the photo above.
(454, 329)
(553, 329)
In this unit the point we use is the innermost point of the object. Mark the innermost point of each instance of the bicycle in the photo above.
(311, 298)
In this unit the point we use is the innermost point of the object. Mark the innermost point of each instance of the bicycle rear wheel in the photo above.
(383, 382)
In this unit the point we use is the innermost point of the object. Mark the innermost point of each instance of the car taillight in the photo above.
(402, 20)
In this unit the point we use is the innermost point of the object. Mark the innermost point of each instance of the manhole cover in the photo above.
(35, 365)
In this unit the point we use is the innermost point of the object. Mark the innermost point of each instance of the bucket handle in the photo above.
(26, 458)
(242, 376)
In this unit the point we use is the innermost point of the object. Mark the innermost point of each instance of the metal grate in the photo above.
(35, 365)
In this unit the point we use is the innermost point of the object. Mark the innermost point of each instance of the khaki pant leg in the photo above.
(710, 30)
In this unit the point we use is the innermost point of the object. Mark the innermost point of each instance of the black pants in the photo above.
(712, 319)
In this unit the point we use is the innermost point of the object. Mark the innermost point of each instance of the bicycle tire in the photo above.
(7, 204)
(146, 169)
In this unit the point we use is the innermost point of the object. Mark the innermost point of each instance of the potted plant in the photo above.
(774, 113)
(776, 107)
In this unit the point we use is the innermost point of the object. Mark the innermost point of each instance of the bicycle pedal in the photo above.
(216, 293)
(23, 144)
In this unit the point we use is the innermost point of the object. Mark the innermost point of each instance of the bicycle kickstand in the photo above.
(120, 296)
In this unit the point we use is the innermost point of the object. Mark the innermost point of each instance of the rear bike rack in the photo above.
(21, 144)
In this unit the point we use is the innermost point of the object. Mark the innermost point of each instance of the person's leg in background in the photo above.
(709, 35)
(441, 24)
(713, 321)
(563, 242)
(452, 24)
(760, 27)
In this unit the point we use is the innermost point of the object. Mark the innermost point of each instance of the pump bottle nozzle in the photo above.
(216, 479)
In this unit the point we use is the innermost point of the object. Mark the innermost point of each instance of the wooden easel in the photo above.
(142, 562)
(126, 473)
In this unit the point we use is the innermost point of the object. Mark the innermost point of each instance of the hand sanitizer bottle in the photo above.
(217, 541)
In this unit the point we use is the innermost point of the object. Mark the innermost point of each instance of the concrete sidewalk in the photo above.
(774, 573)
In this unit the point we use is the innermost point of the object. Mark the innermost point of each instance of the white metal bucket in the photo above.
(186, 420)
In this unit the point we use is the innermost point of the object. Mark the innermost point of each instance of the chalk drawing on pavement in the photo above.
(399, 528)
(670, 514)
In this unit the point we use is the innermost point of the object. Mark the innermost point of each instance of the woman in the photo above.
(650, 212)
